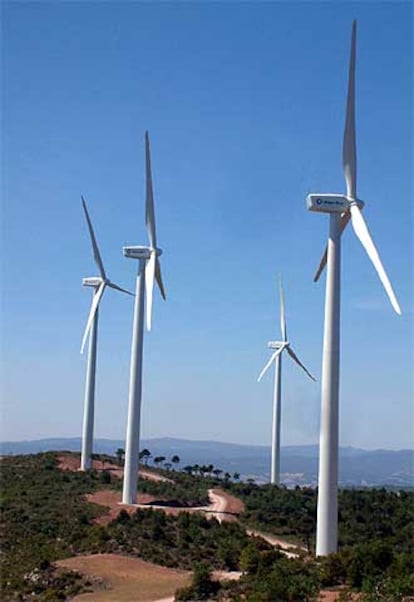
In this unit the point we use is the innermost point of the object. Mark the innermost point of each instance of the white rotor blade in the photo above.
(349, 159)
(345, 217)
(269, 363)
(296, 359)
(282, 311)
(322, 265)
(149, 285)
(96, 254)
(361, 230)
(118, 288)
(149, 202)
(158, 278)
(94, 306)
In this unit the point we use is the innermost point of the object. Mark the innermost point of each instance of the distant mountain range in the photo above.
(299, 464)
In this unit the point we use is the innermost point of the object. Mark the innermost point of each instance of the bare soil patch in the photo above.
(126, 579)
(226, 575)
(332, 595)
(153, 476)
(72, 462)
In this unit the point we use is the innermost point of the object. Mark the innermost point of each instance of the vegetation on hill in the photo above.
(278, 510)
(45, 516)
(270, 576)
(177, 541)
(364, 514)
(203, 587)
(376, 534)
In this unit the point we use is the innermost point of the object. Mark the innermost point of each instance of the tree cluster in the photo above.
(43, 517)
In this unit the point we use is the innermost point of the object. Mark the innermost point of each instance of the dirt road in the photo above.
(286, 547)
(219, 508)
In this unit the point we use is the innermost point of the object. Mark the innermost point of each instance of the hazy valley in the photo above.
(299, 464)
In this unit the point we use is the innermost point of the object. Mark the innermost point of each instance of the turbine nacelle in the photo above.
(331, 203)
(140, 252)
(277, 344)
(93, 281)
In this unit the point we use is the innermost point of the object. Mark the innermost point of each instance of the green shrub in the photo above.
(202, 586)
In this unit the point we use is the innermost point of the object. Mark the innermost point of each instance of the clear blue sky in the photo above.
(245, 107)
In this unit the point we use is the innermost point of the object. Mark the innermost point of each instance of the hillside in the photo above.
(49, 514)
(299, 464)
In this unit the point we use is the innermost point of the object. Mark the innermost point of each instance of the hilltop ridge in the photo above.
(299, 463)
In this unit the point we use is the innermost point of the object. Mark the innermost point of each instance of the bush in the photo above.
(202, 586)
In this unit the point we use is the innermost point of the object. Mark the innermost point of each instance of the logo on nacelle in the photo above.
(327, 202)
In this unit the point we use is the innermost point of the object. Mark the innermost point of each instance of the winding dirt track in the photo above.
(285, 547)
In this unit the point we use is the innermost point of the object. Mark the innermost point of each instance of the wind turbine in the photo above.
(342, 209)
(98, 283)
(148, 270)
(279, 347)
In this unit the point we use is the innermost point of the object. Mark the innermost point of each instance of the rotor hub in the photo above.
(357, 202)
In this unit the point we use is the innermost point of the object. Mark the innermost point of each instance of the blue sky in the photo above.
(245, 107)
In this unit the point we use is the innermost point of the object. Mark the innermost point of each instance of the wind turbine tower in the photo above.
(98, 283)
(341, 209)
(148, 270)
(276, 357)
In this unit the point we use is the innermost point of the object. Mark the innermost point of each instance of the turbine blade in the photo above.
(94, 306)
(118, 288)
(158, 278)
(345, 217)
(282, 311)
(96, 254)
(362, 232)
(296, 359)
(322, 265)
(269, 363)
(149, 202)
(349, 158)
(149, 285)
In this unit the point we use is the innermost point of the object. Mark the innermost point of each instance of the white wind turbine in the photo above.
(342, 209)
(148, 270)
(98, 283)
(276, 357)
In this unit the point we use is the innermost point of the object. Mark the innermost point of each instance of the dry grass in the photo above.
(126, 579)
